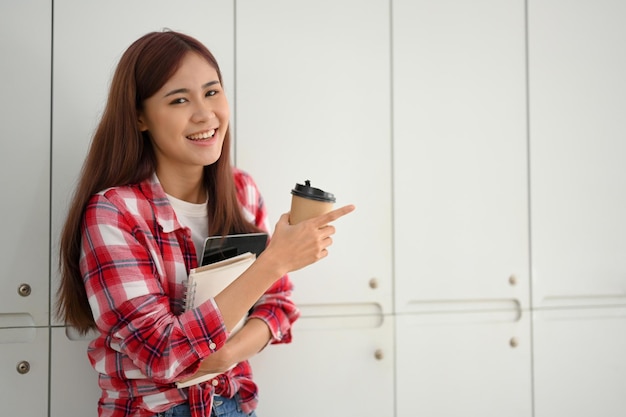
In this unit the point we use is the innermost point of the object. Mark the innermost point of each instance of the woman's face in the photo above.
(187, 118)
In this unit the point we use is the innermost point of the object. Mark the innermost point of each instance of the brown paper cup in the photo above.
(308, 202)
(303, 209)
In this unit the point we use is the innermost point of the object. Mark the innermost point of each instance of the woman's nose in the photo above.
(203, 112)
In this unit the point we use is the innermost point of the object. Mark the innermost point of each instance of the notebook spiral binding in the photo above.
(190, 294)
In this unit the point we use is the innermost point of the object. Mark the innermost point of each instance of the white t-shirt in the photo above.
(195, 217)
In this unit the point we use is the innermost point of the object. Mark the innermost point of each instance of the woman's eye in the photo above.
(179, 100)
(211, 93)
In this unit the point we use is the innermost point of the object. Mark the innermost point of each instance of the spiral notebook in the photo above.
(205, 282)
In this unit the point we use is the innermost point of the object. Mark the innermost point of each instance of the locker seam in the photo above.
(393, 226)
(529, 208)
(234, 145)
(50, 260)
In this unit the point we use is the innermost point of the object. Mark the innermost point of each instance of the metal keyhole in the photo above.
(24, 290)
(23, 367)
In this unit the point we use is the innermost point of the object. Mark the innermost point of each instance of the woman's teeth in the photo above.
(201, 136)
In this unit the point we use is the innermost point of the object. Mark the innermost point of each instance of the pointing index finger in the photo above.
(333, 215)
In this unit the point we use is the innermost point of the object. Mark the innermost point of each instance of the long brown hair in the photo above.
(121, 154)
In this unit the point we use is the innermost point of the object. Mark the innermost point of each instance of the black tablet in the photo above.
(217, 248)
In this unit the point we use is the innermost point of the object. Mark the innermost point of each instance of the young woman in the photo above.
(156, 182)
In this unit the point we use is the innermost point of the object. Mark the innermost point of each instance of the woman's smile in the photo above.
(208, 134)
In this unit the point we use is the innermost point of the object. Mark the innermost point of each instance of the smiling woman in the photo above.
(187, 120)
(156, 183)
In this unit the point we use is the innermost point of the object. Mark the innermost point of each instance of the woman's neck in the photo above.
(188, 188)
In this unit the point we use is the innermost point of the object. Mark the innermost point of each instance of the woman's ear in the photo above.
(141, 123)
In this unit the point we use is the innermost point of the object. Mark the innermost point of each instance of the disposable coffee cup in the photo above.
(308, 202)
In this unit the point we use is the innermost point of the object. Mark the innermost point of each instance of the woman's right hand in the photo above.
(293, 247)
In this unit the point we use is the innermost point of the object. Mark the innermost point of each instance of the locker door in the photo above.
(71, 375)
(464, 364)
(24, 371)
(335, 366)
(578, 152)
(460, 153)
(579, 363)
(25, 162)
(88, 41)
(313, 104)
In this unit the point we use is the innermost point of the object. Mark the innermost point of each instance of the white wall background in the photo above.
(484, 144)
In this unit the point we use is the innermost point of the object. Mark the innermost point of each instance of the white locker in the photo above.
(579, 362)
(578, 152)
(73, 382)
(102, 31)
(460, 153)
(25, 29)
(313, 100)
(474, 364)
(24, 371)
(335, 366)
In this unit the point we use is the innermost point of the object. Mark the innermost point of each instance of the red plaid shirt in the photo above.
(135, 259)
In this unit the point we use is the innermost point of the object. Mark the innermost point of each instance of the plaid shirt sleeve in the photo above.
(124, 265)
(275, 307)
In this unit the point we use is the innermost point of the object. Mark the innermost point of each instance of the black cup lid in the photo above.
(312, 193)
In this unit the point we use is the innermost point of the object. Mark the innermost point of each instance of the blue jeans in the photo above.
(222, 407)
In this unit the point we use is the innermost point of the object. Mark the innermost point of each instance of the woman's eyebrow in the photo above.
(186, 90)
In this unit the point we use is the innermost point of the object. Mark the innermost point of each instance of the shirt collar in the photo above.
(164, 212)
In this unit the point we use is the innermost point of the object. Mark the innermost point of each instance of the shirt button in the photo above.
(212, 346)
(215, 382)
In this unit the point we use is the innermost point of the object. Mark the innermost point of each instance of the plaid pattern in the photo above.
(135, 258)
